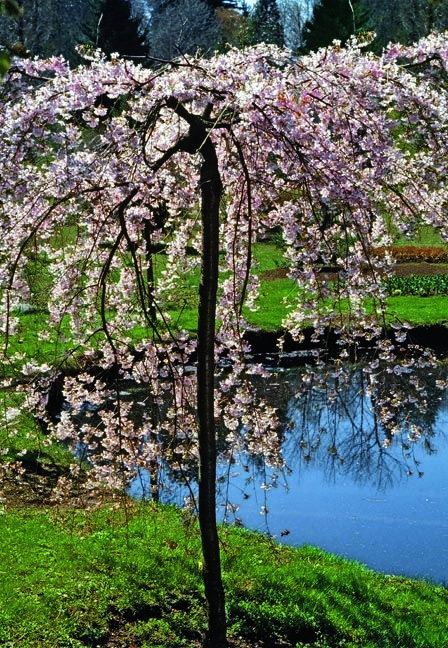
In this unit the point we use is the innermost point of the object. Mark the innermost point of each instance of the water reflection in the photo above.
(343, 422)
(341, 428)
(364, 469)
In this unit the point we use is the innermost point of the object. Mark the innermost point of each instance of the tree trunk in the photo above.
(211, 189)
(198, 140)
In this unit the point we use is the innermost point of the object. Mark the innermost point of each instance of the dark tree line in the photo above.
(407, 22)
(151, 31)
(335, 20)
(51, 27)
(11, 10)
(154, 31)
(397, 21)
(133, 28)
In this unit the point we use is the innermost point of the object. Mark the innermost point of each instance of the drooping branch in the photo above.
(250, 220)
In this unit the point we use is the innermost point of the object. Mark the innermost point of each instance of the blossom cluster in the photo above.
(329, 149)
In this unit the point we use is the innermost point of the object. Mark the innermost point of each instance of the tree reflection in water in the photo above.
(374, 427)
(337, 421)
(341, 444)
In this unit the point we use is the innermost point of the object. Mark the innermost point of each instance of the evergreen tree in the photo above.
(335, 20)
(118, 29)
(266, 24)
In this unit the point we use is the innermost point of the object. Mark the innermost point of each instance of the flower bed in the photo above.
(419, 285)
(413, 254)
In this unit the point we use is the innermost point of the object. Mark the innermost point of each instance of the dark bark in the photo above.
(214, 591)
(198, 140)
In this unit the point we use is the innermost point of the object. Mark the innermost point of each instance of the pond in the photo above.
(346, 486)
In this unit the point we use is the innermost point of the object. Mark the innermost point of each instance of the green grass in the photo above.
(426, 235)
(268, 256)
(419, 311)
(277, 294)
(50, 349)
(70, 577)
(23, 439)
(276, 298)
(272, 304)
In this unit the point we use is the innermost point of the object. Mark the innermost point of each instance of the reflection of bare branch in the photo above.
(341, 426)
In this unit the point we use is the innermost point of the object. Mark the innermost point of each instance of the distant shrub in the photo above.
(422, 285)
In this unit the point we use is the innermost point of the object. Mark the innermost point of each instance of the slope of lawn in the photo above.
(132, 577)
(277, 294)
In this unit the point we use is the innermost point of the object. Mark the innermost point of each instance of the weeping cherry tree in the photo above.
(105, 165)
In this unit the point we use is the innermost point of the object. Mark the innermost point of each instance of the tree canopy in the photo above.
(105, 164)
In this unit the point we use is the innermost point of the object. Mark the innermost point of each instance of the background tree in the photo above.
(54, 28)
(181, 27)
(265, 23)
(162, 29)
(334, 20)
(51, 27)
(294, 16)
(12, 10)
(406, 22)
(232, 27)
(120, 29)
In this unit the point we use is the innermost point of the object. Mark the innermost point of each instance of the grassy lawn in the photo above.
(276, 296)
(77, 578)
(425, 235)
(277, 293)
(22, 439)
(420, 310)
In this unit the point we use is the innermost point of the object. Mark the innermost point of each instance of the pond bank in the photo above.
(264, 344)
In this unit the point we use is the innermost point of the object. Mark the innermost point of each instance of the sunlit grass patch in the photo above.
(425, 235)
(22, 437)
(73, 577)
(275, 301)
(320, 597)
(36, 340)
(419, 310)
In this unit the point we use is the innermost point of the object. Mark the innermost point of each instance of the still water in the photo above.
(343, 488)
(399, 529)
